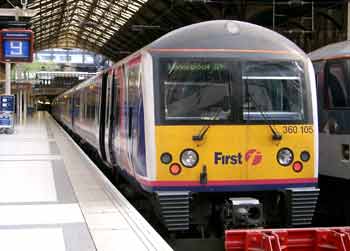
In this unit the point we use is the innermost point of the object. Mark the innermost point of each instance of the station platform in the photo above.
(53, 197)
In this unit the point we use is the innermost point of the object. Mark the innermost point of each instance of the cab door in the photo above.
(133, 99)
(122, 118)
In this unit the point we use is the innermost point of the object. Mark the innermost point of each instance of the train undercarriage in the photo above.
(210, 214)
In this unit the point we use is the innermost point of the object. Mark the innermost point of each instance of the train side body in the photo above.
(86, 111)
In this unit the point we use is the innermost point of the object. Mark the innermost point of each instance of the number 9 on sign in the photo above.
(16, 48)
(13, 48)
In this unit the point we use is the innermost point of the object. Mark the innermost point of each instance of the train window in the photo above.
(337, 89)
(133, 84)
(108, 97)
(91, 103)
(196, 90)
(77, 107)
(273, 91)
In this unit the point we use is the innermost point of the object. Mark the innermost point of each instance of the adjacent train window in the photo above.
(196, 90)
(337, 89)
(274, 91)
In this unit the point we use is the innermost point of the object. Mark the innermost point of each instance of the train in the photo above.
(331, 64)
(214, 123)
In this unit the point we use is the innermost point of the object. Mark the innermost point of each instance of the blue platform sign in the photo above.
(7, 108)
(7, 103)
(17, 45)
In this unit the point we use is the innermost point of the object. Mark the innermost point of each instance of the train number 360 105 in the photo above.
(296, 129)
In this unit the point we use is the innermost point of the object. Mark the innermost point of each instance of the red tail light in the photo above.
(297, 166)
(175, 169)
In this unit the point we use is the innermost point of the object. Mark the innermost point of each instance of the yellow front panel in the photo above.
(298, 138)
(235, 152)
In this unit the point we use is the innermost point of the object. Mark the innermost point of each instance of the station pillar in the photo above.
(2, 78)
(8, 79)
(25, 100)
(17, 103)
(348, 27)
(20, 106)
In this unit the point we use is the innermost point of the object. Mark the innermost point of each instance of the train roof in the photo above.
(335, 50)
(227, 34)
(81, 85)
(241, 38)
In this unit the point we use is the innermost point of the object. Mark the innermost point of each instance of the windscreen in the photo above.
(337, 94)
(274, 91)
(232, 91)
(196, 90)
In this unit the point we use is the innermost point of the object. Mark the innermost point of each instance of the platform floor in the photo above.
(53, 198)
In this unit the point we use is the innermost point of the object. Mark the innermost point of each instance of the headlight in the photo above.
(285, 156)
(189, 158)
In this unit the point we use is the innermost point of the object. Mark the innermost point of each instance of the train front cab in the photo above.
(333, 75)
(232, 131)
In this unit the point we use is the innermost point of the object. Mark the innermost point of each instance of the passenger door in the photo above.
(102, 87)
(108, 115)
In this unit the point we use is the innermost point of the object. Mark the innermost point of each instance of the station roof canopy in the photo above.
(87, 24)
(116, 28)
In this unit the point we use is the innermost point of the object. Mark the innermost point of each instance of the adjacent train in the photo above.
(215, 123)
(332, 67)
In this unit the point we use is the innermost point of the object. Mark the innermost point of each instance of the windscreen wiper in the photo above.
(200, 135)
(275, 133)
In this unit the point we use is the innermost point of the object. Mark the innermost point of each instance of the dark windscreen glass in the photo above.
(196, 90)
(337, 93)
(274, 91)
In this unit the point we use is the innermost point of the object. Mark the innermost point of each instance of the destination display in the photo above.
(195, 66)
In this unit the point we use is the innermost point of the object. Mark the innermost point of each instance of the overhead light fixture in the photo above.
(122, 52)
(198, 1)
(88, 24)
(139, 27)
